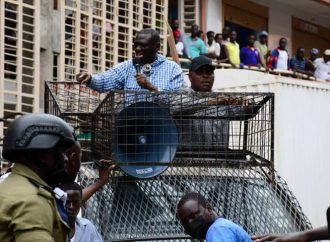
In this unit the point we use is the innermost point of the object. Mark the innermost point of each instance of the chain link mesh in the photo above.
(250, 195)
(223, 148)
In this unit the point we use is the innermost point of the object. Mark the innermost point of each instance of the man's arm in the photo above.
(320, 233)
(33, 236)
(262, 61)
(294, 68)
(33, 219)
(271, 59)
(202, 47)
(176, 79)
(111, 79)
(104, 174)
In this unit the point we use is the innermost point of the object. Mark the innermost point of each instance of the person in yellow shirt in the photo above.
(261, 46)
(232, 50)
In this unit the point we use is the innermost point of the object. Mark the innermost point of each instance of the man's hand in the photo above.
(144, 83)
(291, 237)
(104, 172)
(227, 101)
(83, 78)
(105, 168)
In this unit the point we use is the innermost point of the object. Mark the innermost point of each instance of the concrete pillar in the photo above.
(214, 16)
(49, 43)
(279, 25)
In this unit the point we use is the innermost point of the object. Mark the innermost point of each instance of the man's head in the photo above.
(146, 45)
(40, 141)
(282, 43)
(218, 38)
(263, 37)
(196, 215)
(314, 53)
(226, 32)
(201, 74)
(233, 36)
(194, 30)
(74, 161)
(326, 55)
(175, 24)
(300, 53)
(210, 36)
(251, 40)
(74, 199)
(201, 35)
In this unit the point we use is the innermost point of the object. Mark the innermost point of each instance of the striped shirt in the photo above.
(296, 64)
(166, 75)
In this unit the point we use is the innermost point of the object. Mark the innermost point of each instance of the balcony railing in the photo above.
(294, 74)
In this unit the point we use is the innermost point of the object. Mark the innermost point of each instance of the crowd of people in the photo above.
(223, 48)
(39, 199)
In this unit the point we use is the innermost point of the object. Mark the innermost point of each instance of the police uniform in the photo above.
(28, 209)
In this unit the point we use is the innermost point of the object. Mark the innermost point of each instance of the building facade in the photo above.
(54, 40)
(42, 40)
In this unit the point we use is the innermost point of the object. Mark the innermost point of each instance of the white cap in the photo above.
(263, 33)
(327, 52)
(314, 51)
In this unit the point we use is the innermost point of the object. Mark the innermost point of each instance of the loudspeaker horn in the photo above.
(146, 139)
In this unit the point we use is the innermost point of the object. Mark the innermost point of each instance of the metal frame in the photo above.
(248, 191)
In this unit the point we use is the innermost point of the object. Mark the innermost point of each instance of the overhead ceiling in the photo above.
(318, 8)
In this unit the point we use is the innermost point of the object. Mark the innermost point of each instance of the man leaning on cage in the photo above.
(202, 116)
(147, 71)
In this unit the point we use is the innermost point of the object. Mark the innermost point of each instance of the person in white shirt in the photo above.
(178, 45)
(279, 57)
(322, 70)
(283, 57)
(82, 230)
(212, 47)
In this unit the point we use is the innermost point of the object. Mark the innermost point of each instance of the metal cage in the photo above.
(75, 104)
(251, 195)
(219, 127)
(223, 148)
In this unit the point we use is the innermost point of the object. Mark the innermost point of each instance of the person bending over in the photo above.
(200, 221)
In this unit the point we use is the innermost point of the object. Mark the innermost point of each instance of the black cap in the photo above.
(199, 62)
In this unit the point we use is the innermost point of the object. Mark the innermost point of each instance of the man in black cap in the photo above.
(207, 133)
(201, 74)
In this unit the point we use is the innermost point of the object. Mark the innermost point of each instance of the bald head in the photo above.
(74, 158)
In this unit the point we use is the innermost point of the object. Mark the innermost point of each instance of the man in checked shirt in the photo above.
(148, 70)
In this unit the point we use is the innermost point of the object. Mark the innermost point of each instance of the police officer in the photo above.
(36, 143)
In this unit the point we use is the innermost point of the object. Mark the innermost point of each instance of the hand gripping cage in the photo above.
(224, 150)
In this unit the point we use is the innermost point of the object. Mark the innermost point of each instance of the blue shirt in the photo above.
(223, 230)
(195, 47)
(86, 231)
(166, 75)
(249, 56)
(296, 64)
